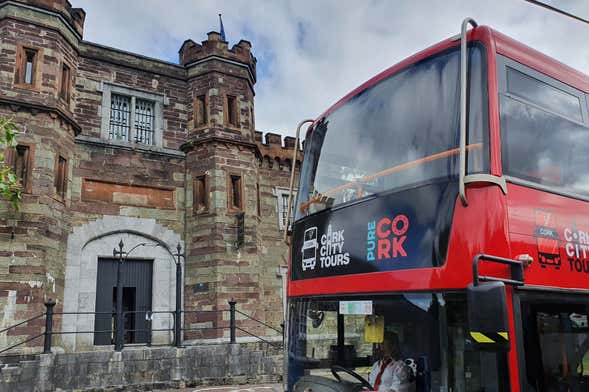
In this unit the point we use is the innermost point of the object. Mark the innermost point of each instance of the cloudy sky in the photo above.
(312, 52)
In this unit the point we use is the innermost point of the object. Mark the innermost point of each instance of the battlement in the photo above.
(273, 149)
(190, 51)
(74, 16)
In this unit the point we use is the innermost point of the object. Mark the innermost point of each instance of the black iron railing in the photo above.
(177, 329)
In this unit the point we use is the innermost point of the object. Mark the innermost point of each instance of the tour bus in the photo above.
(447, 198)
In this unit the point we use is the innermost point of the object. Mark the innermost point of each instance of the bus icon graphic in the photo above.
(547, 240)
(309, 250)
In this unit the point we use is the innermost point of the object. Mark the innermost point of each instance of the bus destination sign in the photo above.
(402, 230)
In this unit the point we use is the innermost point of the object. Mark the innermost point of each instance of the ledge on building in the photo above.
(144, 148)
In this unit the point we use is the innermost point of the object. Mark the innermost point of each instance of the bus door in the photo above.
(553, 341)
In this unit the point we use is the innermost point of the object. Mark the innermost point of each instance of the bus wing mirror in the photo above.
(487, 316)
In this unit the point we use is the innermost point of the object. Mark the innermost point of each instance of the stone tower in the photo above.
(222, 160)
(39, 61)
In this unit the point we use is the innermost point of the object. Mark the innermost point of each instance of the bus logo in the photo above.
(547, 239)
(309, 250)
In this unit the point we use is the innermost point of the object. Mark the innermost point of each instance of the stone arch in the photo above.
(96, 239)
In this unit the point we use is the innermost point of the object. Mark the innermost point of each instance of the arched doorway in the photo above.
(92, 245)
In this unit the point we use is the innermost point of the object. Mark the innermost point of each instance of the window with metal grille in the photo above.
(284, 209)
(282, 195)
(120, 122)
(144, 117)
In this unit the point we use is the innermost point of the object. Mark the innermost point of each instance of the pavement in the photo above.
(234, 388)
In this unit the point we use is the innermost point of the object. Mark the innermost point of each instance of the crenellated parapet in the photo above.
(74, 16)
(274, 150)
(190, 52)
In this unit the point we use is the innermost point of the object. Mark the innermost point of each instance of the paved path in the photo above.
(234, 388)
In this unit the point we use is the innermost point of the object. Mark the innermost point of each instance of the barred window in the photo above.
(130, 115)
(120, 124)
(144, 116)
(284, 209)
(282, 195)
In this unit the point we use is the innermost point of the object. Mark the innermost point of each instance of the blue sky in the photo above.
(312, 52)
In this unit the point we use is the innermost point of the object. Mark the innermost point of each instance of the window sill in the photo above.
(144, 148)
(201, 127)
(232, 129)
(204, 214)
(26, 86)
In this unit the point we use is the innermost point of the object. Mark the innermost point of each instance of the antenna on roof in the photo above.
(559, 11)
(222, 30)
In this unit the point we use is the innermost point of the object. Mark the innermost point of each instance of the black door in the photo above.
(136, 276)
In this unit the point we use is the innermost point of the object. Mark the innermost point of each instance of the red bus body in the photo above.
(493, 223)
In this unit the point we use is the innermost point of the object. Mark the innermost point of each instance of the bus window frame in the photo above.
(535, 294)
(485, 146)
(503, 62)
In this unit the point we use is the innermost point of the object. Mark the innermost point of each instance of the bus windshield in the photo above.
(402, 131)
(422, 338)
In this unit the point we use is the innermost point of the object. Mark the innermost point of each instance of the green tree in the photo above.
(10, 187)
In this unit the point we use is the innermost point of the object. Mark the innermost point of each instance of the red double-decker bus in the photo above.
(442, 226)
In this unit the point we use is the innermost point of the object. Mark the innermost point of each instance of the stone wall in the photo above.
(144, 368)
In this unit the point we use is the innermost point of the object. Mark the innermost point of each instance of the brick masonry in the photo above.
(144, 192)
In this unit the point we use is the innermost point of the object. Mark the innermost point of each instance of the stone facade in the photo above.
(121, 183)
(144, 370)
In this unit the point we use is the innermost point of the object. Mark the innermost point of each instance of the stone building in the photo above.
(115, 145)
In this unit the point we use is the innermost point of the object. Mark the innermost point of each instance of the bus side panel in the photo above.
(554, 230)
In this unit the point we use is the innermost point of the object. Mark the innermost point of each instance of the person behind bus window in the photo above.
(390, 374)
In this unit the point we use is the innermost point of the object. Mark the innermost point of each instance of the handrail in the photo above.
(22, 322)
(258, 337)
(258, 321)
(390, 170)
(516, 270)
(292, 174)
(48, 332)
(463, 106)
(21, 343)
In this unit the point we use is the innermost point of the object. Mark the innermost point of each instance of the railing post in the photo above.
(232, 321)
(48, 326)
(178, 312)
(119, 324)
(149, 318)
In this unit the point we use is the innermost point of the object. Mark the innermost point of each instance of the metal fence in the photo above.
(177, 330)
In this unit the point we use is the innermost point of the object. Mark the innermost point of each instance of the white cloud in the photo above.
(312, 52)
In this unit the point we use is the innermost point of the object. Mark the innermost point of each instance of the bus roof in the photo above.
(496, 42)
